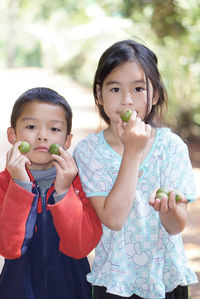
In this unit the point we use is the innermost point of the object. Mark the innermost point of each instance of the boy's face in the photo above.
(41, 124)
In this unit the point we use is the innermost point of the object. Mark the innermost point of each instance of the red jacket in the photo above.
(75, 220)
(45, 244)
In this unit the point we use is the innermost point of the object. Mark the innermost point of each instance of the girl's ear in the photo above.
(155, 98)
(68, 141)
(11, 135)
(99, 94)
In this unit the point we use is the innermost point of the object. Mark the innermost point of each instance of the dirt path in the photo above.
(14, 82)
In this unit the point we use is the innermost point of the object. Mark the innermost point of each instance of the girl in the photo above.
(140, 254)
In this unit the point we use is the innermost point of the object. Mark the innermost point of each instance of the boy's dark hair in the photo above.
(122, 52)
(43, 95)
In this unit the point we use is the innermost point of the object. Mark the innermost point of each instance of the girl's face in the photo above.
(42, 125)
(125, 89)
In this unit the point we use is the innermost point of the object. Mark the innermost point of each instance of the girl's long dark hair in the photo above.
(120, 53)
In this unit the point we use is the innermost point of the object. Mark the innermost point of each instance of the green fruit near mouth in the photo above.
(126, 115)
(54, 149)
(24, 147)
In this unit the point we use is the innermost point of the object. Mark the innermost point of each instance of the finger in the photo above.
(21, 161)
(133, 115)
(157, 204)
(183, 199)
(65, 160)
(148, 129)
(120, 127)
(58, 161)
(8, 155)
(132, 120)
(152, 197)
(15, 150)
(164, 208)
(172, 200)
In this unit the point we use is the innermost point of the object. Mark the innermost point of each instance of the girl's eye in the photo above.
(31, 127)
(115, 89)
(55, 129)
(139, 89)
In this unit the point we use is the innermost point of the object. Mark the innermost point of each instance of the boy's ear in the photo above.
(68, 141)
(11, 135)
(99, 94)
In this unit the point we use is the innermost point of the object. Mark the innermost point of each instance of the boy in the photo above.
(47, 224)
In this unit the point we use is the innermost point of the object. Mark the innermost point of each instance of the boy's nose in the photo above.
(42, 138)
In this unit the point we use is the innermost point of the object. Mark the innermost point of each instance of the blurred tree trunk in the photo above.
(11, 49)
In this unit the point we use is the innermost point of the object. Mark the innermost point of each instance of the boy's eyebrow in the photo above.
(111, 82)
(34, 118)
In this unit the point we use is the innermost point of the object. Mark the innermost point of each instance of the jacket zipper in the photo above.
(44, 212)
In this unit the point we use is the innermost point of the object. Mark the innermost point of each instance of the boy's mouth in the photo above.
(41, 148)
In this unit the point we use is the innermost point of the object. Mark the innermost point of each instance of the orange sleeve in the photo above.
(76, 222)
(15, 205)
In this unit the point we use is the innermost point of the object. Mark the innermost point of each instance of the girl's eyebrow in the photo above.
(117, 82)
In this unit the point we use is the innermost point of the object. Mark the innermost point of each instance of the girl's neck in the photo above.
(110, 134)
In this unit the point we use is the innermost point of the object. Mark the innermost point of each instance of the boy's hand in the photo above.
(66, 171)
(16, 162)
(167, 203)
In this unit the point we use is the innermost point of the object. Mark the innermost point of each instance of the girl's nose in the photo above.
(127, 100)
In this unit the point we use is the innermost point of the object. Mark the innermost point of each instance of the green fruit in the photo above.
(125, 116)
(54, 149)
(163, 190)
(160, 195)
(24, 147)
(178, 195)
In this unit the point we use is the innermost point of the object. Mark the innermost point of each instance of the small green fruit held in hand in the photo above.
(125, 116)
(178, 195)
(163, 192)
(24, 147)
(54, 149)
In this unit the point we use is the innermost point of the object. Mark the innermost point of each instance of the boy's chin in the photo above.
(41, 165)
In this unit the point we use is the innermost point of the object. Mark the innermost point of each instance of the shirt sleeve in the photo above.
(177, 172)
(15, 209)
(95, 174)
(76, 222)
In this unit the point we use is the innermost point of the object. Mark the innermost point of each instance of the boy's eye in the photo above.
(139, 89)
(31, 127)
(115, 89)
(55, 129)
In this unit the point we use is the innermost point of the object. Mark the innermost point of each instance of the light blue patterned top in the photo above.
(142, 258)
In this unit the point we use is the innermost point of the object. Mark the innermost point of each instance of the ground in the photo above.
(85, 120)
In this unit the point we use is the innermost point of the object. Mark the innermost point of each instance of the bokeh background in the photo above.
(57, 44)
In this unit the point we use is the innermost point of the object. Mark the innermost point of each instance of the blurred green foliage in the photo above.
(69, 36)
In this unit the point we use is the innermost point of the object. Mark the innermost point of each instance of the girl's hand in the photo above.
(16, 162)
(66, 171)
(173, 215)
(135, 134)
(167, 203)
